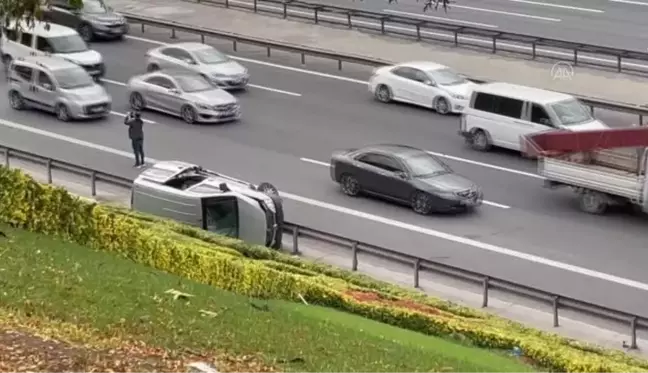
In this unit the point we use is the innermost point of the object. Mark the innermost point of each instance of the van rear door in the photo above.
(221, 215)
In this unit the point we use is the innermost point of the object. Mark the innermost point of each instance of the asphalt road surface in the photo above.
(294, 118)
(614, 23)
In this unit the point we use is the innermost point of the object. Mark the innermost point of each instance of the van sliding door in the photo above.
(221, 216)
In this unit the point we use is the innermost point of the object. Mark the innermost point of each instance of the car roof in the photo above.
(173, 73)
(190, 45)
(524, 93)
(423, 65)
(398, 150)
(39, 28)
(51, 63)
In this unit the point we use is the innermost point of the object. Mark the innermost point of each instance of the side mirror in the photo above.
(190, 61)
(401, 174)
(48, 86)
(430, 83)
(174, 91)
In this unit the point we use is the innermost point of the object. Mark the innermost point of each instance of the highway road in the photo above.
(294, 118)
(615, 23)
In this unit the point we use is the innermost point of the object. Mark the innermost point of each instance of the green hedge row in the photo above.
(259, 272)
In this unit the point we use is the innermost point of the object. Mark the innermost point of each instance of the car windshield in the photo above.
(71, 78)
(425, 165)
(210, 56)
(94, 6)
(446, 77)
(571, 112)
(67, 44)
(193, 83)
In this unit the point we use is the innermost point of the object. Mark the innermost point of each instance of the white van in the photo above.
(499, 113)
(43, 38)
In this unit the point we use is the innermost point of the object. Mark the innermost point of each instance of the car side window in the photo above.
(10, 34)
(539, 115)
(44, 81)
(403, 72)
(178, 54)
(420, 76)
(381, 161)
(26, 38)
(161, 82)
(23, 72)
(43, 45)
(505, 106)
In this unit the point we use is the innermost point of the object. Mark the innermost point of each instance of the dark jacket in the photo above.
(135, 131)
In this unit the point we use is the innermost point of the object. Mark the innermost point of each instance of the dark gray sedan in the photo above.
(404, 174)
(94, 19)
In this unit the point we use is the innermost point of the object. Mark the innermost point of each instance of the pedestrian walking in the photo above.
(136, 134)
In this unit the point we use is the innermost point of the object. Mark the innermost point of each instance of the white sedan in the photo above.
(422, 83)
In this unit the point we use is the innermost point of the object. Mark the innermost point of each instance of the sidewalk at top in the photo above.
(585, 82)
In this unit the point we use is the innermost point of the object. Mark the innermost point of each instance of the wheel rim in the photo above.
(442, 106)
(136, 101)
(590, 202)
(15, 100)
(62, 113)
(383, 94)
(421, 203)
(188, 115)
(350, 185)
(480, 140)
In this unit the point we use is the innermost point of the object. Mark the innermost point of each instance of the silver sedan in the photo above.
(184, 94)
(201, 59)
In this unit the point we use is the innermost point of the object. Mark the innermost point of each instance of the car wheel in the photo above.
(188, 114)
(136, 101)
(593, 202)
(152, 67)
(442, 106)
(383, 93)
(85, 30)
(16, 100)
(480, 141)
(350, 185)
(62, 113)
(422, 203)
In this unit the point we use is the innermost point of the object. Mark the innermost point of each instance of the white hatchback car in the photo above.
(422, 83)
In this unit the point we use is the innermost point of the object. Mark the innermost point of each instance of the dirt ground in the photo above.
(24, 352)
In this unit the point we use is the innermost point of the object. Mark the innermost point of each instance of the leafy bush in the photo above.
(259, 272)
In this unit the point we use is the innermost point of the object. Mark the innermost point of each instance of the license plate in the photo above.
(97, 110)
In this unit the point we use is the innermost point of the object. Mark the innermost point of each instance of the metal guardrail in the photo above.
(557, 301)
(303, 51)
(423, 28)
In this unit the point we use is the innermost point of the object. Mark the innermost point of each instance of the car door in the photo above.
(424, 88)
(156, 88)
(25, 43)
(380, 175)
(395, 181)
(539, 118)
(513, 121)
(62, 13)
(22, 81)
(44, 90)
(401, 80)
(177, 58)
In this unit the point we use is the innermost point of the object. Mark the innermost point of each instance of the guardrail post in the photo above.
(486, 282)
(382, 25)
(93, 183)
(418, 32)
(303, 59)
(226, 3)
(641, 122)
(202, 38)
(349, 20)
(7, 155)
(295, 234)
(619, 63)
(316, 17)
(556, 304)
(417, 269)
(456, 38)
(268, 51)
(354, 259)
(575, 57)
(494, 44)
(285, 10)
(234, 45)
(48, 164)
(173, 35)
(255, 6)
(339, 64)
(142, 27)
(633, 333)
(533, 50)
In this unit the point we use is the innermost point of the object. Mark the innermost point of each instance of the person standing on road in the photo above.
(136, 134)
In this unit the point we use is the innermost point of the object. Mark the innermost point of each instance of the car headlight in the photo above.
(218, 76)
(458, 97)
(204, 106)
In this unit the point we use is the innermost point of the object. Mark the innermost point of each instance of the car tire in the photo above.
(422, 203)
(16, 100)
(62, 113)
(136, 101)
(383, 94)
(188, 114)
(480, 141)
(152, 67)
(593, 202)
(350, 185)
(86, 33)
(442, 106)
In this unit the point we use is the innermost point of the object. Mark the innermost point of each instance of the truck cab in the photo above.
(217, 203)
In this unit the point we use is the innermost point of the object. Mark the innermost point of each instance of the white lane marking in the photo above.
(451, 20)
(558, 6)
(507, 13)
(630, 2)
(320, 163)
(113, 82)
(275, 90)
(378, 219)
(124, 116)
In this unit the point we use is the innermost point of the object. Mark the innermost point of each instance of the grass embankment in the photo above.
(48, 283)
